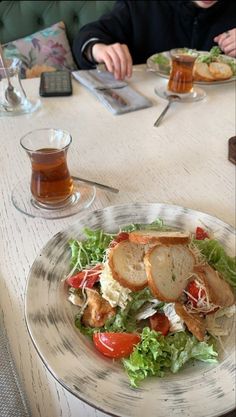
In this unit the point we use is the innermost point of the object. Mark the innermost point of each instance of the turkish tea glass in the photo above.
(13, 99)
(181, 76)
(51, 183)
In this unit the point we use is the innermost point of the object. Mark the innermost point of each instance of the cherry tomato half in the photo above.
(160, 323)
(195, 293)
(115, 345)
(121, 236)
(86, 278)
(201, 234)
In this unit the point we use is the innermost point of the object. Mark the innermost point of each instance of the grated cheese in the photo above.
(176, 323)
(111, 290)
(203, 303)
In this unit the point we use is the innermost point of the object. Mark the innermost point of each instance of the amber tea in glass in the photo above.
(181, 76)
(51, 183)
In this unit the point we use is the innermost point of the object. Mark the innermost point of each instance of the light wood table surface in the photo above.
(184, 162)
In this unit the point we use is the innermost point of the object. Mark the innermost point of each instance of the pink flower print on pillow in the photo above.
(55, 52)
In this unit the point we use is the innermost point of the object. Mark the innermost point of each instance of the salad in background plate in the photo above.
(210, 67)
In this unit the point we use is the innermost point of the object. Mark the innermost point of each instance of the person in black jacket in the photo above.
(136, 29)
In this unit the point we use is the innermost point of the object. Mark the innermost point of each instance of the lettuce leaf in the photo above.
(156, 354)
(124, 320)
(157, 224)
(218, 258)
(214, 53)
(91, 250)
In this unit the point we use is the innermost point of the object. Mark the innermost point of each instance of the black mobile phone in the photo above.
(55, 84)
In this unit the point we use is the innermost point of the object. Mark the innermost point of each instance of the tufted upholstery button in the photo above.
(40, 21)
(75, 18)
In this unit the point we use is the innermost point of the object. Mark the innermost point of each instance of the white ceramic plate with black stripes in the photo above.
(197, 390)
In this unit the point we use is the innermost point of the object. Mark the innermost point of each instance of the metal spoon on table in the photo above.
(97, 184)
(171, 99)
(11, 96)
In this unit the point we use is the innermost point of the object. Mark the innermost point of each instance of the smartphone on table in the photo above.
(55, 84)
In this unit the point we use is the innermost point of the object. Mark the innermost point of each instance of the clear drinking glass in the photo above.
(181, 76)
(51, 184)
(13, 99)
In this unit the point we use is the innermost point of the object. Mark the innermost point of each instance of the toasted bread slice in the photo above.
(194, 322)
(126, 264)
(218, 290)
(220, 70)
(168, 268)
(201, 72)
(152, 236)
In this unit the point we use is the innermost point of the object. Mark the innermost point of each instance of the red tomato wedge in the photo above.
(86, 278)
(201, 234)
(115, 345)
(195, 293)
(160, 323)
(121, 236)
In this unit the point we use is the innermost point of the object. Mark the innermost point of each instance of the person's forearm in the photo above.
(111, 28)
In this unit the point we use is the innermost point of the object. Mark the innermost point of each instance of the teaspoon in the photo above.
(171, 99)
(97, 184)
(11, 96)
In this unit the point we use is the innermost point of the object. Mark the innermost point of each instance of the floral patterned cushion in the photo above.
(47, 50)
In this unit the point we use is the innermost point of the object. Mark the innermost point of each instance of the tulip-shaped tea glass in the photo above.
(51, 183)
(180, 81)
(181, 76)
(13, 99)
(52, 192)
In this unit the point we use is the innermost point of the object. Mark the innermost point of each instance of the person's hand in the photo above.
(116, 57)
(227, 42)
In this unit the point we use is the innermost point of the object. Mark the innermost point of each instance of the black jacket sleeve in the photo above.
(112, 27)
(152, 26)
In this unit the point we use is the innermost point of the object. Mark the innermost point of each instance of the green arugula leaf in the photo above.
(91, 250)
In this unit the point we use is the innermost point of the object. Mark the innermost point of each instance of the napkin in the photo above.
(12, 398)
(116, 95)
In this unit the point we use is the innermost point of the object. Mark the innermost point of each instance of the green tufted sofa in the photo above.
(21, 18)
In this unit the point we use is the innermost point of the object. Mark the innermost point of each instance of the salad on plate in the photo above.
(210, 67)
(153, 297)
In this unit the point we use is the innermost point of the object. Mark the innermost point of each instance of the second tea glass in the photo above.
(181, 76)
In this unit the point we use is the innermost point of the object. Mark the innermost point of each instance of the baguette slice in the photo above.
(194, 322)
(126, 264)
(201, 72)
(218, 290)
(168, 268)
(151, 236)
(220, 71)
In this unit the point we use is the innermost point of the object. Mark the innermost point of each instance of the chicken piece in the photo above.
(219, 291)
(194, 322)
(97, 311)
